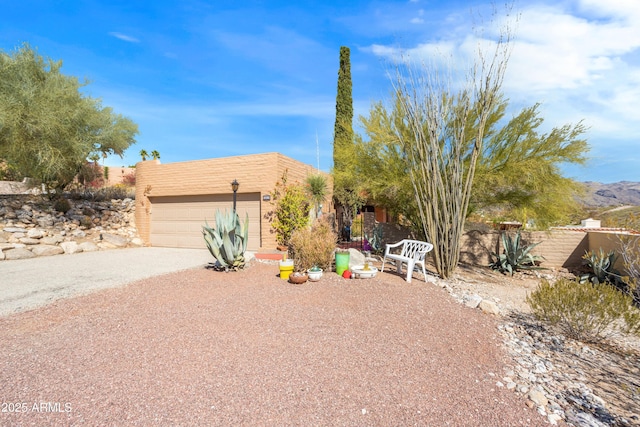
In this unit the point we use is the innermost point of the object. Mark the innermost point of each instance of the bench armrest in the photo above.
(392, 245)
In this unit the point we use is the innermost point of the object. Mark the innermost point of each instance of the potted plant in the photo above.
(286, 267)
(314, 273)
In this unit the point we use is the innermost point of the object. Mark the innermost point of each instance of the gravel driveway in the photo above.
(31, 283)
(200, 347)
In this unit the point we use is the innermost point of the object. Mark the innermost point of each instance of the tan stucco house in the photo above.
(173, 200)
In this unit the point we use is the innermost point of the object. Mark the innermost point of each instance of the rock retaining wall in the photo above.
(30, 226)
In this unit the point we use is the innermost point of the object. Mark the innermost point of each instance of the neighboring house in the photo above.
(173, 200)
(116, 175)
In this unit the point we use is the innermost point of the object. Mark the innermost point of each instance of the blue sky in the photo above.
(211, 79)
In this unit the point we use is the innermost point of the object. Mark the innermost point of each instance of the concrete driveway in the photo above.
(32, 283)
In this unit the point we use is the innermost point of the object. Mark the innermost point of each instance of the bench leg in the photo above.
(399, 266)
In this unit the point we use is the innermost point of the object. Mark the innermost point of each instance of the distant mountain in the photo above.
(622, 193)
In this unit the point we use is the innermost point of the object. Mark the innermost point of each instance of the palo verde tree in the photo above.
(441, 154)
(48, 129)
(518, 173)
(345, 190)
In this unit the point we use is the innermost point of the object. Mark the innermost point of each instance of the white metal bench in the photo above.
(413, 252)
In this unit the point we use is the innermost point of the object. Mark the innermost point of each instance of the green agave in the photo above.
(514, 257)
(227, 242)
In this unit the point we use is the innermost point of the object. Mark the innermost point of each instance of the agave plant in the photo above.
(601, 268)
(515, 257)
(227, 242)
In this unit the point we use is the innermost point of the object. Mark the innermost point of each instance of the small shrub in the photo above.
(62, 205)
(587, 312)
(600, 267)
(291, 210)
(313, 246)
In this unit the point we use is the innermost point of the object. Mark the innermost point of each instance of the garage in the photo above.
(176, 221)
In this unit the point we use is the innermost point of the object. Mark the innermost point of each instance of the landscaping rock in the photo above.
(47, 250)
(115, 240)
(18, 253)
(32, 220)
(88, 247)
(472, 301)
(489, 307)
(35, 233)
(70, 247)
(355, 257)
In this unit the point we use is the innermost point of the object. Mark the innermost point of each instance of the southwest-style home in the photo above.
(173, 200)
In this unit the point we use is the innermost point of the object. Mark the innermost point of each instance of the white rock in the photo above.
(47, 250)
(472, 301)
(18, 253)
(88, 247)
(35, 233)
(538, 397)
(70, 247)
(489, 307)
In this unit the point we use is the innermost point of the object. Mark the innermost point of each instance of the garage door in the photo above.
(177, 221)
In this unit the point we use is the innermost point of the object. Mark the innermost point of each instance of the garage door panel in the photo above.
(177, 221)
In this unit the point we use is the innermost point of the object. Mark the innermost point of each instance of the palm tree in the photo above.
(155, 154)
(144, 154)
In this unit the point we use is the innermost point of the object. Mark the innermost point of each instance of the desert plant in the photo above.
(317, 188)
(586, 312)
(630, 250)
(227, 242)
(375, 239)
(515, 257)
(600, 267)
(313, 246)
(291, 210)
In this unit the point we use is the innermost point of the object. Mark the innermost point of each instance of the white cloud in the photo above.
(124, 37)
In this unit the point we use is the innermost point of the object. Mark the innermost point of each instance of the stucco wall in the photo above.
(257, 173)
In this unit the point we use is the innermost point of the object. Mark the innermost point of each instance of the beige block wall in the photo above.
(257, 173)
(560, 248)
(610, 241)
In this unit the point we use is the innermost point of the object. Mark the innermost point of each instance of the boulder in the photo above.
(70, 247)
(35, 233)
(114, 239)
(47, 250)
(489, 307)
(472, 301)
(29, 241)
(18, 253)
(14, 230)
(88, 247)
(355, 257)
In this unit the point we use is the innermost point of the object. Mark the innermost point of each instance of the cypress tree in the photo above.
(343, 129)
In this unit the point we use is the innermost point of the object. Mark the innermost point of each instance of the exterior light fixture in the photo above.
(234, 186)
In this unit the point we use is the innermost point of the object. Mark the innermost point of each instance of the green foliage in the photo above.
(343, 128)
(291, 209)
(62, 205)
(317, 189)
(313, 246)
(144, 154)
(586, 312)
(48, 127)
(227, 242)
(515, 257)
(601, 267)
(517, 177)
(518, 173)
(155, 155)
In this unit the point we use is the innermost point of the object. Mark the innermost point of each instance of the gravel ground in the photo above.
(30, 283)
(200, 347)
